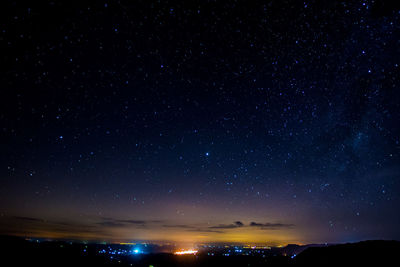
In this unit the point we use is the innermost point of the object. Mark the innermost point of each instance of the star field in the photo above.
(185, 122)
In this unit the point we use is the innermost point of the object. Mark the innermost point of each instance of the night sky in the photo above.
(272, 122)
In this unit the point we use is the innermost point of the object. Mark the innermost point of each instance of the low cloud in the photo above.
(192, 228)
(181, 226)
(110, 222)
(236, 224)
(27, 219)
(271, 225)
(30, 226)
(207, 230)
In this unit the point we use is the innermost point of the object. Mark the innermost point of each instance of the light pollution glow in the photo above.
(157, 233)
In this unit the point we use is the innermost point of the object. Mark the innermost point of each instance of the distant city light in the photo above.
(186, 252)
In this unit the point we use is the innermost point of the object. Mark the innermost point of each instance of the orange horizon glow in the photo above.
(249, 239)
(90, 230)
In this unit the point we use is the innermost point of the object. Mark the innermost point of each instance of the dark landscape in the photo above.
(21, 252)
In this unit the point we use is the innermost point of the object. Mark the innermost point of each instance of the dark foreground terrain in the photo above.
(21, 252)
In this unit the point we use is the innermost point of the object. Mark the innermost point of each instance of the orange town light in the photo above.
(185, 252)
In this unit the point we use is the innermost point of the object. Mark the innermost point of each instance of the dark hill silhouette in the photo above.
(294, 249)
(371, 253)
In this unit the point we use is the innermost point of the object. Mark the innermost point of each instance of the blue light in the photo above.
(136, 251)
